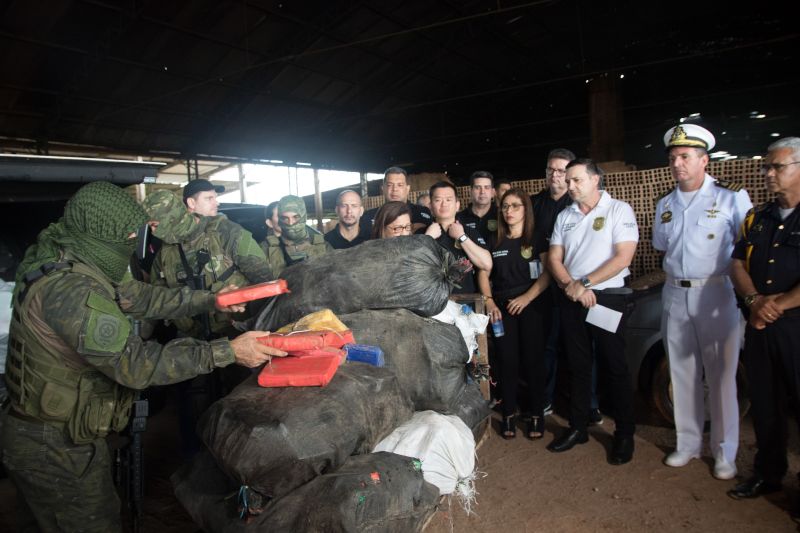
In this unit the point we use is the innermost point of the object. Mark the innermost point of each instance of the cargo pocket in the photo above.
(95, 410)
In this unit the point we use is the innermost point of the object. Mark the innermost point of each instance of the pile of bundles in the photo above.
(372, 449)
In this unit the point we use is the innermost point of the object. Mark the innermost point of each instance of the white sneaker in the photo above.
(679, 458)
(724, 470)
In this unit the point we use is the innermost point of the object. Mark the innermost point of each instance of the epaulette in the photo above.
(761, 207)
(664, 194)
(730, 185)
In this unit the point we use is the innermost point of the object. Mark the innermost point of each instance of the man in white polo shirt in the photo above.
(696, 226)
(591, 247)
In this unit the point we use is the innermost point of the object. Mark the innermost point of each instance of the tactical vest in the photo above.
(48, 380)
(219, 272)
(280, 256)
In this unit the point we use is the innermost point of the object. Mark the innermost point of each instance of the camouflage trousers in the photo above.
(60, 486)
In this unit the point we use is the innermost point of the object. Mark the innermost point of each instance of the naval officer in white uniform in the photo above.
(696, 225)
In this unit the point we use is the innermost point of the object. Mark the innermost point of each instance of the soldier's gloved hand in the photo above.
(251, 353)
(236, 308)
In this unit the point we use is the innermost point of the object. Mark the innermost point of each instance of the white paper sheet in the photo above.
(603, 317)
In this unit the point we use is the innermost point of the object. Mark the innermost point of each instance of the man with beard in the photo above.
(297, 242)
(347, 234)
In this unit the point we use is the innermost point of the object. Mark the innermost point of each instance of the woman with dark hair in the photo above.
(392, 220)
(518, 295)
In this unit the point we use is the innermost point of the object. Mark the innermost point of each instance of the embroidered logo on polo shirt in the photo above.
(526, 252)
(491, 225)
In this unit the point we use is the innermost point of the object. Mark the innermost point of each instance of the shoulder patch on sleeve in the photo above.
(730, 185)
(106, 329)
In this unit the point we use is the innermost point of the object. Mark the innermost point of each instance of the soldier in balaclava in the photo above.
(298, 241)
(74, 360)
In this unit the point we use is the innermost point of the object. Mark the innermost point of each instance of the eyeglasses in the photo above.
(510, 207)
(397, 230)
(777, 167)
(555, 172)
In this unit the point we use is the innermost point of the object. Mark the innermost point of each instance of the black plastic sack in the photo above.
(428, 356)
(379, 492)
(276, 439)
(412, 272)
(471, 407)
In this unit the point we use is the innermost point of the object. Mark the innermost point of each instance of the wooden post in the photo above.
(317, 200)
(242, 191)
(364, 185)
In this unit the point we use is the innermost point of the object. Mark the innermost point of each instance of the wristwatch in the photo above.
(463, 238)
(750, 298)
(586, 283)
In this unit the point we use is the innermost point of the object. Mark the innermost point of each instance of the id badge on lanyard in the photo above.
(535, 267)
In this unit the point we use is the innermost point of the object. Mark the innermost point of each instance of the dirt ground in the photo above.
(526, 488)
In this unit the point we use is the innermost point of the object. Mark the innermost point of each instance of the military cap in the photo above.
(690, 135)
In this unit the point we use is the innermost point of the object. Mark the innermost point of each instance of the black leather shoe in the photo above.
(753, 488)
(621, 450)
(568, 440)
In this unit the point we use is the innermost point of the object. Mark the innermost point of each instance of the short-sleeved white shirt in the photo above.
(698, 238)
(588, 240)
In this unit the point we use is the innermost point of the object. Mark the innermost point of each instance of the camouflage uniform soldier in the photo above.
(73, 360)
(298, 241)
(212, 251)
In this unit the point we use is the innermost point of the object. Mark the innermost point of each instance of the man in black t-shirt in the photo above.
(463, 243)
(551, 200)
(481, 214)
(347, 232)
(395, 188)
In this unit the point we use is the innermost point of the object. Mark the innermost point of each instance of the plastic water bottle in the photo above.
(497, 328)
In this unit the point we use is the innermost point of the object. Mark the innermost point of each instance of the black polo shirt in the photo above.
(419, 215)
(512, 273)
(545, 210)
(774, 244)
(485, 225)
(469, 284)
(335, 239)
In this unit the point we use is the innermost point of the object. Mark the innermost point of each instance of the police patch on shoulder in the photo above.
(106, 329)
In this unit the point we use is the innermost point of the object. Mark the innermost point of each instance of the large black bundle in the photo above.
(471, 407)
(380, 492)
(276, 439)
(428, 356)
(412, 272)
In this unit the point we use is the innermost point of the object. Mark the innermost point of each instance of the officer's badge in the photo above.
(666, 216)
(491, 225)
(758, 228)
(598, 223)
(712, 213)
(526, 252)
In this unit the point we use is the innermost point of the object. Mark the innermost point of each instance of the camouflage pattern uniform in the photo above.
(297, 242)
(73, 363)
(234, 256)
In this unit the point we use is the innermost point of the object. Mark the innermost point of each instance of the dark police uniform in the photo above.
(337, 242)
(485, 225)
(545, 210)
(419, 215)
(770, 248)
(468, 284)
(515, 267)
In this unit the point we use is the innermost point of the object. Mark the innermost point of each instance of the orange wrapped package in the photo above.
(253, 292)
